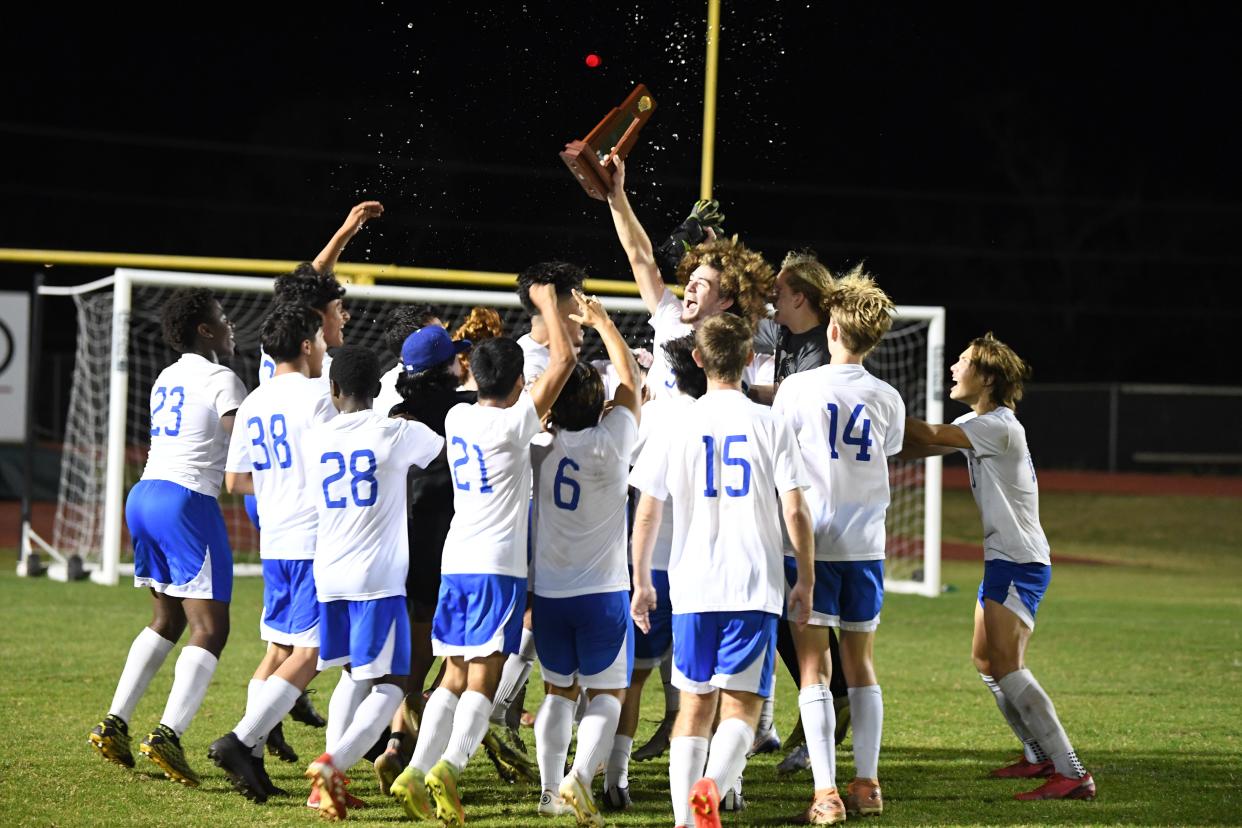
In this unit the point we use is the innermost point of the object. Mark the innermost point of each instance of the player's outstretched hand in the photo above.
(360, 214)
(643, 602)
(543, 297)
(618, 176)
(800, 603)
(591, 313)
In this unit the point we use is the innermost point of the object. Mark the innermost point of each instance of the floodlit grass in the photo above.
(1143, 659)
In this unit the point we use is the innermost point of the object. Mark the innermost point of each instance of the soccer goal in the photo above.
(120, 351)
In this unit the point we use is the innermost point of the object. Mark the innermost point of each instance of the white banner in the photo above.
(14, 342)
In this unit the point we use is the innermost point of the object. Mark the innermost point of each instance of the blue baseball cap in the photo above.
(428, 347)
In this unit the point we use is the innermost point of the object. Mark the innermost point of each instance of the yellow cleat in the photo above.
(164, 749)
(579, 797)
(110, 738)
(411, 791)
(441, 783)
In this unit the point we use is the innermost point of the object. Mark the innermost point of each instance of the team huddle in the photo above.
(496, 503)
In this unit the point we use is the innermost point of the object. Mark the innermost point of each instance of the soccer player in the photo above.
(719, 275)
(848, 423)
(1017, 562)
(357, 463)
(480, 324)
(478, 620)
(181, 547)
(581, 586)
(566, 278)
(732, 472)
(654, 647)
(399, 323)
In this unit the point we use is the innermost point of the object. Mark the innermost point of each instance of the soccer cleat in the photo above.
(617, 798)
(1022, 769)
(841, 707)
(862, 797)
(511, 765)
(551, 805)
(110, 738)
(269, 787)
(330, 785)
(826, 808)
(657, 745)
(1061, 787)
(705, 804)
(352, 802)
(388, 766)
(164, 749)
(304, 711)
(733, 801)
(411, 791)
(442, 788)
(769, 741)
(278, 747)
(578, 796)
(799, 759)
(234, 758)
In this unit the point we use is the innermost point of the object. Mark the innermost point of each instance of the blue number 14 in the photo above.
(863, 440)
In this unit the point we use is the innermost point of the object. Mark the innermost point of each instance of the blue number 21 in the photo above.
(484, 486)
(709, 444)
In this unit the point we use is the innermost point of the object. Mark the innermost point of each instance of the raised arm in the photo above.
(359, 215)
(928, 440)
(801, 533)
(591, 314)
(561, 359)
(647, 519)
(635, 242)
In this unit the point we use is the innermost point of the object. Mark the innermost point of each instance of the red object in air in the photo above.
(592, 60)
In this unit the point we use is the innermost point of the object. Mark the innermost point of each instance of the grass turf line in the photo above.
(1143, 659)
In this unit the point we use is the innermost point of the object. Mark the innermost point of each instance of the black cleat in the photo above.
(303, 711)
(111, 739)
(278, 747)
(617, 798)
(235, 759)
(269, 787)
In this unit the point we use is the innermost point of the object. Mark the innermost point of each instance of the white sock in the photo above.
(617, 775)
(1040, 718)
(553, 730)
(580, 707)
(672, 696)
(345, 700)
(595, 735)
(819, 723)
(253, 690)
(726, 758)
(513, 675)
(369, 721)
(767, 715)
(1030, 747)
(687, 755)
(146, 656)
(867, 719)
(276, 698)
(191, 678)
(469, 727)
(434, 730)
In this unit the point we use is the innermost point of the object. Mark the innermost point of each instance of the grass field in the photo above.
(1142, 656)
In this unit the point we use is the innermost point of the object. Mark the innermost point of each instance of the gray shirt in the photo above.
(797, 352)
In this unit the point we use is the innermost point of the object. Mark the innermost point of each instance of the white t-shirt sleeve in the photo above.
(227, 392)
(417, 445)
(650, 472)
(238, 460)
(896, 434)
(666, 314)
(989, 436)
(522, 421)
(787, 468)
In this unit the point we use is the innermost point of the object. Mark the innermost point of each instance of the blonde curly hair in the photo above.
(744, 275)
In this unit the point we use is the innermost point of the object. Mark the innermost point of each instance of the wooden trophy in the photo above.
(591, 159)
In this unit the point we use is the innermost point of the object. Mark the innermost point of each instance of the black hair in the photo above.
(496, 363)
(428, 395)
(567, 278)
(404, 320)
(285, 328)
(307, 286)
(581, 400)
(356, 370)
(691, 379)
(185, 310)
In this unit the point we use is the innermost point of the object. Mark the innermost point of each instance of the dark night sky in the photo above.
(1070, 181)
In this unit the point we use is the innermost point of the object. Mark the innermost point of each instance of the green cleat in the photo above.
(110, 738)
(512, 765)
(164, 749)
(442, 787)
(411, 791)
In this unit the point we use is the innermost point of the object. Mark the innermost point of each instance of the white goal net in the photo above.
(120, 351)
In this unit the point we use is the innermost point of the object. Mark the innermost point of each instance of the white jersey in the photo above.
(267, 443)
(535, 358)
(848, 423)
(580, 502)
(489, 457)
(662, 418)
(267, 370)
(725, 470)
(188, 447)
(388, 396)
(667, 324)
(357, 465)
(1002, 479)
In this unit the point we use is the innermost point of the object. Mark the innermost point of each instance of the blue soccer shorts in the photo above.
(848, 594)
(181, 547)
(650, 648)
(290, 606)
(477, 615)
(1017, 587)
(585, 638)
(724, 650)
(371, 637)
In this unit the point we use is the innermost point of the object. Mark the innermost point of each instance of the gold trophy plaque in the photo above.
(591, 159)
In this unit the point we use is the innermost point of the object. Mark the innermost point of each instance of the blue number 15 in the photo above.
(709, 444)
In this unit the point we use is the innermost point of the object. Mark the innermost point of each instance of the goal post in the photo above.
(120, 352)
